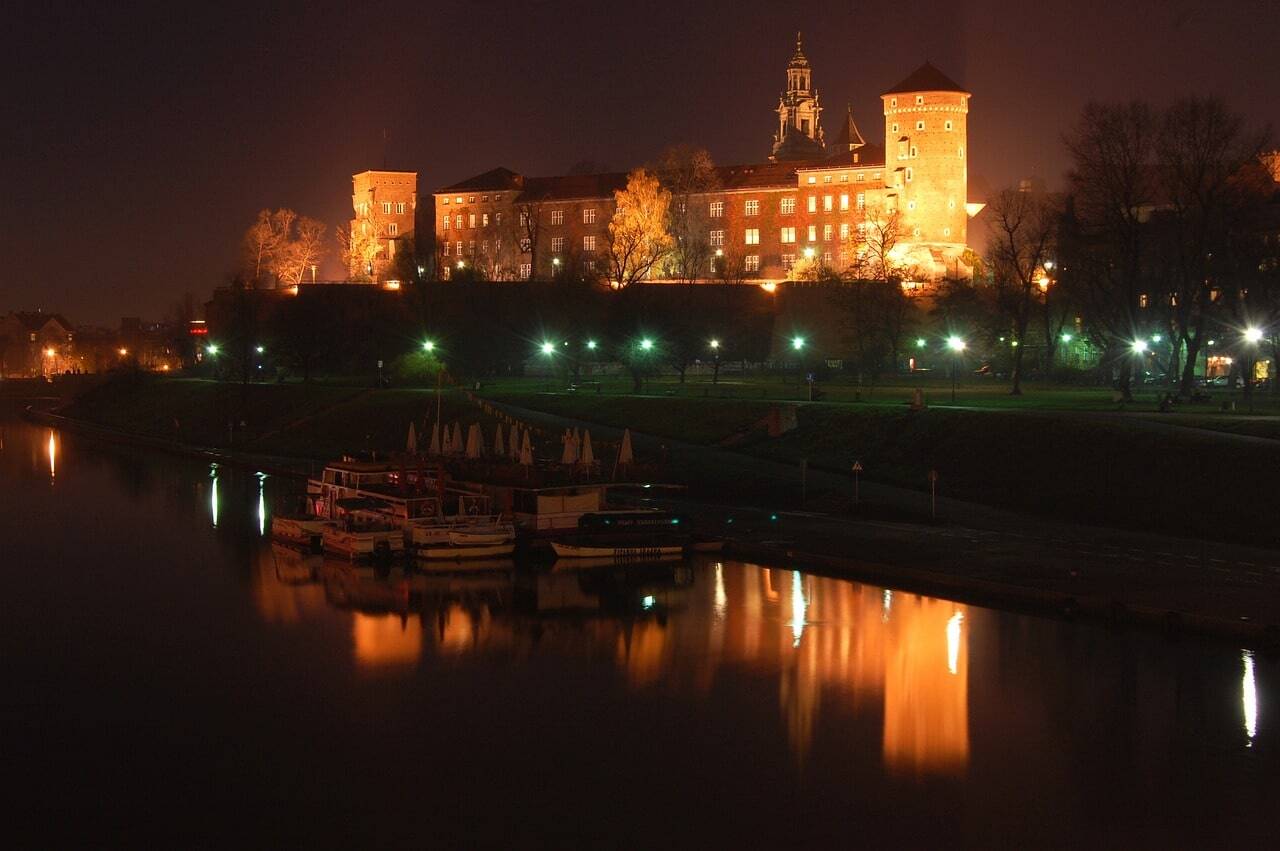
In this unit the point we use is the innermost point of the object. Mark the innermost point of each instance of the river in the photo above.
(169, 670)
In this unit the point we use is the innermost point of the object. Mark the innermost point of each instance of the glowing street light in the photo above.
(548, 348)
(259, 349)
(956, 345)
(211, 349)
(1253, 335)
(797, 343)
(646, 344)
(1156, 338)
(1066, 338)
(461, 265)
(428, 345)
(715, 344)
(1139, 347)
(123, 352)
(921, 342)
(809, 252)
(591, 345)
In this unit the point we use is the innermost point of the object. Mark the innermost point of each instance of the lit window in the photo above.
(813, 179)
(844, 230)
(962, 152)
(919, 100)
(826, 258)
(788, 260)
(471, 199)
(947, 126)
(828, 203)
(861, 177)
(386, 206)
(458, 249)
(445, 223)
(457, 222)
(862, 200)
(946, 231)
(526, 270)
(788, 206)
(875, 176)
(589, 243)
(400, 207)
(751, 263)
(589, 216)
(471, 220)
(458, 200)
(524, 218)
(497, 218)
(908, 175)
(893, 101)
(497, 198)
(1142, 301)
(813, 203)
(788, 235)
(445, 272)
(446, 249)
(844, 178)
(919, 125)
(717, 209)
(445, 201)
(826, 233)
(915, 152)
(813, 233)
(557, 244)
(895, 128)
(393, 228)
(715, 238)
(484, 220)
(844, 200)
(826, 178)
(557, 217)
(484, 198)
(753, 236)
(752, 208)
(471, 247)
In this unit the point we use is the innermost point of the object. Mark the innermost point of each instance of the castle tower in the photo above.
(926, 158)
(799, 133)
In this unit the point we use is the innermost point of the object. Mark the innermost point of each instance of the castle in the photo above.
(829, 203)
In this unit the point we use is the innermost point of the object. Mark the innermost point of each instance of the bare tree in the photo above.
(526, 230)
(263, 242)
(301, 248)
(1022, 226)
(688, 173)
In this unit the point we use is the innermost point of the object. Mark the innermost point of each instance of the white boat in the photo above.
(615, 552)
(304, 532)
(363, 534)
(467, 538)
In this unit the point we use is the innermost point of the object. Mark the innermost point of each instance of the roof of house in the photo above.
(927, 78)
(36, 320)
(495, 178)
(848, 138)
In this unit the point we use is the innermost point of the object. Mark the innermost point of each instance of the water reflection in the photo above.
(830, 645)
(262, 504)
(1249, 697)
(213, 494)
(53, 457)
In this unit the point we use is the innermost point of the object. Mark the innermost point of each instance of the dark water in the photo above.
(169, 672)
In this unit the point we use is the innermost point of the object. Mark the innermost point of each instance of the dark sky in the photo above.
(140, 139)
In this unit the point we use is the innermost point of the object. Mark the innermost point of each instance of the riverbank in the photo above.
(894, 535)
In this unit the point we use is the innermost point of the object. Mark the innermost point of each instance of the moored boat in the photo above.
(462, 539)
(362, 533)
(637, 552)
(304, 532)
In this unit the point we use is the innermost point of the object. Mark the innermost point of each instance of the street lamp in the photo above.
(646, 344)
(921, 342)
(428, 345)
(797, 343)
(957, 346)
(1252, 336)
(715, 344)
(591, 345)
(548, 348)
(1139, 347)
(211, 349)
(259, 349)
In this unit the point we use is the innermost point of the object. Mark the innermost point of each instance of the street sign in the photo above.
(857, 466)
(933, 475)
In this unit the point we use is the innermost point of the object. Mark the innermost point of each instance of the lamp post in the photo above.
(1252, 336)
(957, 347)
(714, 345)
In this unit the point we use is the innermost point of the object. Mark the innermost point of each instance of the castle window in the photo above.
(717, 209)
(861, 177)
(445, 201)
(459, 247)
(947, 126)
(826, 178)
(445, 224)
(915, 232)
(557, 244)
(484, 220)
(751, 263)
(844, 178)
(788, 260)
(826, 258)
(813, 178)
(400, 207)
(497, 198)
(589, 216)
(589, 243)
(919, 100)
(497, 218)
(895, 127)
(813, 233)
(919, 125)
(526, 271)
(1143, 301)
(908, 175)
(828, 203)
(844, 230)
(393, 229)
(813, 203)
(752, 208)
(471, 220)
(946, 231)
(862, 200)
(386, 206)
(788, 235)
(471, 247)
(826, 233)
(471, 199)
(915, 152)
(445, 272)
(457, 222)
(753, 236)
(557, 217)
(446, 249)
(787, 206)
(893, 101)
(458, 200)
(524, 218)
(875, 176)
(484, 198)
(911, 205)
(715, 238)
(844, 200)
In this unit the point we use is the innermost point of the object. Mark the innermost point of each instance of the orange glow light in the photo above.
(769, 287)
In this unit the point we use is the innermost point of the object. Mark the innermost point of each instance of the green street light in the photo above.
(1066, 338)
(428, 346)
(548, 348)
(211, 349)
(259, 349)
(591, 345)
(646, 344)
(797, 343)
(955, 344)
(1139, 347)
(921, 342)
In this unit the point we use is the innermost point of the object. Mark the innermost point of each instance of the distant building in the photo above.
(811, 199)
(36, 344)
(384, 206)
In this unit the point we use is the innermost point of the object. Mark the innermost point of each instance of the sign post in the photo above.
(933, 494)
(857, 469)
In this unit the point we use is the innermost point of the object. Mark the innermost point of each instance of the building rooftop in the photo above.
(927, 78)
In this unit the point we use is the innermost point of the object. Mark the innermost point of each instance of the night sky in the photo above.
(140, 140)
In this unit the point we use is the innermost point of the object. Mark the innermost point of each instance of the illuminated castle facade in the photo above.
(830, 202)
